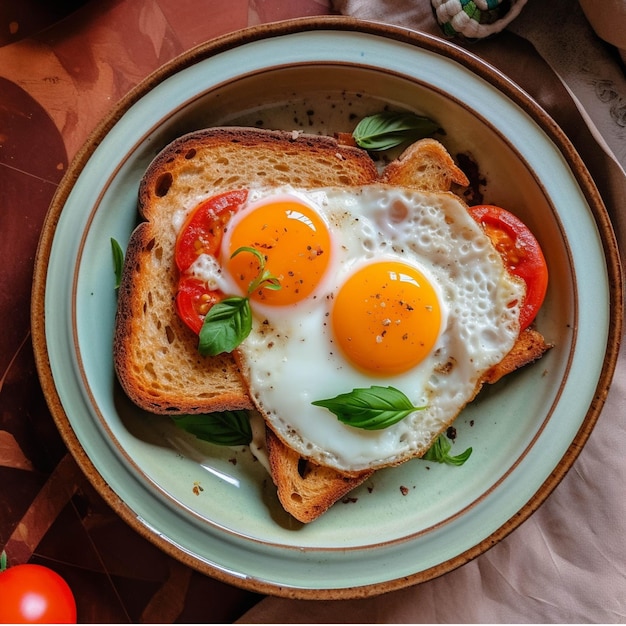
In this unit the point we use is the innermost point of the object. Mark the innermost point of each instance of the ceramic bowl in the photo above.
(407, 524)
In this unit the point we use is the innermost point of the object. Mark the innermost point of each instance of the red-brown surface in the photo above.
(62, 67)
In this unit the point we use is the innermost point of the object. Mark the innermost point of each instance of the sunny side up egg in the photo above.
(379, 285)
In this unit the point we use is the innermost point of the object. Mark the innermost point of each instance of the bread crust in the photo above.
(147, 326)
(305, 489)
(529, 347)
(296, 162)
(425, 166)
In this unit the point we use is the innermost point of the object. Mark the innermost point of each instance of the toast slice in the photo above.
(424, 165)
(155, 354)
(305, 489)
(530, 347)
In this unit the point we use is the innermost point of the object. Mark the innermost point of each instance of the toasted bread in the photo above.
(306, 489)
(529, 347)
(424, 165)
(155, 354)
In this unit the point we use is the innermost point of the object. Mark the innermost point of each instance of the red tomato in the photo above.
(521, 253)
(34, 594)
(203, 230)
(193, 301)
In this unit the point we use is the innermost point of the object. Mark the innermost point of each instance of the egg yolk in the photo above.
(295, 243)
(386, 317)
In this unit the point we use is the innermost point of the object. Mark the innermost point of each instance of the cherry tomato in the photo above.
(193, 301)
(34, 594)
(521, 253)
(203, 230)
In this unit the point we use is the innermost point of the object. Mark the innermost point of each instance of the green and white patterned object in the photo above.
(475, 19)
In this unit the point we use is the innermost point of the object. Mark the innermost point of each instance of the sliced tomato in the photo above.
(194, 300)
(521, 253)
(203, 230)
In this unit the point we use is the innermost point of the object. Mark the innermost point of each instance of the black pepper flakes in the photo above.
(349, 500)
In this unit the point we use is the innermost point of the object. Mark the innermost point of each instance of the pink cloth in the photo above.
(567, 563)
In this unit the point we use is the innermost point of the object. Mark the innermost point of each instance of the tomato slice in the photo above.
(193, 301)
(521, 253)
(203, 230)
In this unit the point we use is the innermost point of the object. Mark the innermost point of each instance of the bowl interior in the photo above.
(241, 498)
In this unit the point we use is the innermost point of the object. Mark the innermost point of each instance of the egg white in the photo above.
(290, 359)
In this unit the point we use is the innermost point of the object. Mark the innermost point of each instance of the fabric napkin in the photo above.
(567, 562)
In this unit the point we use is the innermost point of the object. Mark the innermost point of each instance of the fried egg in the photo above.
(379, 285)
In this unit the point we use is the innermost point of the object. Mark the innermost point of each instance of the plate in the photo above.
(215, 509)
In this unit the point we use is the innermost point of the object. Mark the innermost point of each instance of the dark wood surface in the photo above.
(62, 66)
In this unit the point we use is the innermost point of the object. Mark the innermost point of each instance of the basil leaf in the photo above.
(387, 130)
(440, 452)
(118, 261)
(226, 428)
(372, 408)
(225, 326)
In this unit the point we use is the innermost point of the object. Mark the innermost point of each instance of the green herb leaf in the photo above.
(264, 278)
(225, 326)
(372, 408)
(118, 261)
(226, 428)
(440, 452)
(229, 321)
(3, 561)
(387, 130)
